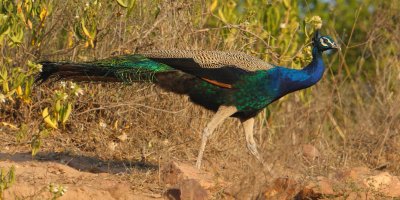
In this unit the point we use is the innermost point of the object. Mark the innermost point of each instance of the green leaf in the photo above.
(286, 3)
(66, 113)
(122, 3)
(16, 36)
(35, 144)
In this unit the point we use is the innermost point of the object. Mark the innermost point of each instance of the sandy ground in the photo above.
(83, 178)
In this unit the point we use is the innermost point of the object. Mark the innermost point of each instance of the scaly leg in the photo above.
(222, 113)
(248, 126)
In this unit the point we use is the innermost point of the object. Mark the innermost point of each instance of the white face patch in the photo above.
(322, 41)
(330, 42)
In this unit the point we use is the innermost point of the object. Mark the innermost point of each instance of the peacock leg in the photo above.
(222, 113)
(248, 126)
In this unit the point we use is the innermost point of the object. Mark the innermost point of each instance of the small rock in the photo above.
(310, 152)
(393, 190)
(282, 188)
(379, 181)
(175, 173)
(307, 193)
(354, 174)
(385, 184)
(322, 187)
(191, 189)
(187, 189)
(325, 186)
(172, 194)
(123, 137)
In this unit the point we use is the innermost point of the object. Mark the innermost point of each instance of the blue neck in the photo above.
(306, 77)
(316, 68)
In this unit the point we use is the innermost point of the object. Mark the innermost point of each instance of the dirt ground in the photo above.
(82, 178)
(85, 177)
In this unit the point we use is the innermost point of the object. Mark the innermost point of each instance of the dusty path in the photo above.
(33, 178)
(83, 177)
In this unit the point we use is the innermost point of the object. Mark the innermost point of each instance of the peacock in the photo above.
(232, 84)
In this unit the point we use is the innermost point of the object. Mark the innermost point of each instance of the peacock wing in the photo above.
(217, 67)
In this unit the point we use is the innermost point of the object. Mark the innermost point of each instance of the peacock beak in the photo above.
(337, 47)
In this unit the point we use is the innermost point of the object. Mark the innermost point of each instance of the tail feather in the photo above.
(73, 71)
(129, 68)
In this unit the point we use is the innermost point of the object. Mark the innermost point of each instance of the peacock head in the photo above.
(324, 43)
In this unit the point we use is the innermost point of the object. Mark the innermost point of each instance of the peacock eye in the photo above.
(322, 41)
(331, 42)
